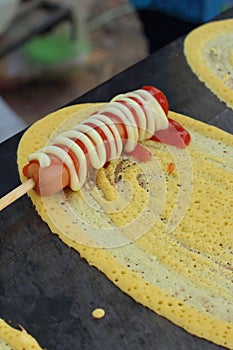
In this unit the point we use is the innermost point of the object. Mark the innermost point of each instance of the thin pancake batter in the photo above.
(163, 237)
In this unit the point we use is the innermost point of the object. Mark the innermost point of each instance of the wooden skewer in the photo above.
(16, 193)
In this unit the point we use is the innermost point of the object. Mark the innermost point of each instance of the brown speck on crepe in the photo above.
(164, 238)
(209, 52)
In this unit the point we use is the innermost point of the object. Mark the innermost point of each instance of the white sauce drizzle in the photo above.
(151, 118)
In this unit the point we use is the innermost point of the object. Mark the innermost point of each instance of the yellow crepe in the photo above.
(161, 233)
(209, 52)
(15, 339)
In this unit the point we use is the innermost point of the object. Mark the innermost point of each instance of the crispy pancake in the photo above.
(161, 231)
(209, 52)
(15, 339)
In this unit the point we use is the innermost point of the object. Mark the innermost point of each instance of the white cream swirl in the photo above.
(121, 109)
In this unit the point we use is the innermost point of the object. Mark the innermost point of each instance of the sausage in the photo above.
(125, 120)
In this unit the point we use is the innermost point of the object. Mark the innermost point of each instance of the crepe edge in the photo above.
(19, 339)
(193, 47)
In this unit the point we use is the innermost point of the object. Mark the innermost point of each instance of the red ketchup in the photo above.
(175, 134)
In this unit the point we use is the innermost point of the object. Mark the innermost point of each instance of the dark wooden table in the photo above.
(47, 287)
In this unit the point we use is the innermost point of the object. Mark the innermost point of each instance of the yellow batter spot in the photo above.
(209, 52)
(163, 237)
(15, 339)
(98, 313)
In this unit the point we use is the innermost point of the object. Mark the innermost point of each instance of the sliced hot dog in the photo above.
(127, 117)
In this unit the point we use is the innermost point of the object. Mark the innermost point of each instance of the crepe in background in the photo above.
(209, 52)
